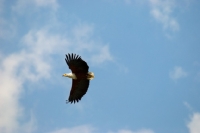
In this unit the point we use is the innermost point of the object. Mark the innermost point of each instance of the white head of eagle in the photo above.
(80, 77)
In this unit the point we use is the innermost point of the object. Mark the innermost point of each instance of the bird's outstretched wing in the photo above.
(76, 64)
(79, 88)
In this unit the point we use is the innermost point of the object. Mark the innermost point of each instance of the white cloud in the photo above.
(194, 124)
(90, 129)
(138, 131)
(80, 41)
(162, 11)
(10, 89)
(177, 73)
(29, 64)
(77, 129)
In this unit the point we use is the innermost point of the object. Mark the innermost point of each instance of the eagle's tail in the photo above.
(90, 75)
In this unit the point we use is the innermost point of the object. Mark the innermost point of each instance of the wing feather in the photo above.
(78, 90)
(76, 64)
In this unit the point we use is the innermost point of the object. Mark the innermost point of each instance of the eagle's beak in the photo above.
(64, 75)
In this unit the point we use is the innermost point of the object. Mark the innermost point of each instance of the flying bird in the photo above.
(80, 77)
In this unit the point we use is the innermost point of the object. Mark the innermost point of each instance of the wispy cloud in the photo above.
(82, 40)
(194, 123)
(77, 129)
(15, 70)
(138, 131)
(188, 106)
(102, 55)
(29, 64)
(162, 11)
(91, 129)
(177, 73)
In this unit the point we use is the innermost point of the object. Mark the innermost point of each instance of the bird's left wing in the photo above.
(76, 64)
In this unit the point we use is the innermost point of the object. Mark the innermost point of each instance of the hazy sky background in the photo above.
(145, 55)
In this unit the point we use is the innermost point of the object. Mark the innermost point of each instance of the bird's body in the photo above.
(80, 77)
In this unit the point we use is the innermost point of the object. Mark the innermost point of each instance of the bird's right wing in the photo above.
(79, 88)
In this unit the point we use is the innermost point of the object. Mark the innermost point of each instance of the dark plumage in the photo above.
(80, 77)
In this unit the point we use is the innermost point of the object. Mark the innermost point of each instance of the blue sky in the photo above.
(145, 55)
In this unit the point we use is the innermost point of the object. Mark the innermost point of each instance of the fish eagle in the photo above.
(80, 77)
